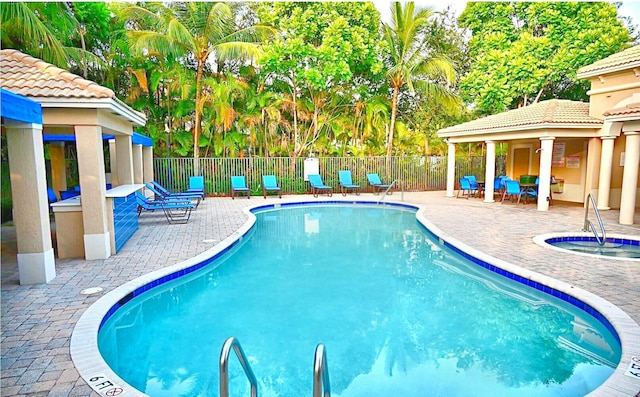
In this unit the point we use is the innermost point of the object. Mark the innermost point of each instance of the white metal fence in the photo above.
(415, 173)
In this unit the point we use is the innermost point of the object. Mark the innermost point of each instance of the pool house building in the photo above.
(583, 147)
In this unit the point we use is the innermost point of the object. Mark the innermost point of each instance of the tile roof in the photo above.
(31, 77)
(632, 109)
(623, 60)
(554, 112)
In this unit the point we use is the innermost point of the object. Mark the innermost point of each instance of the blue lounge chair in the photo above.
(196, 185)
(239, 185)
(317, 186)
(466, 188)
(176, 211)
(163, 193)
(270, 184)
(346, 183)
(376, 184)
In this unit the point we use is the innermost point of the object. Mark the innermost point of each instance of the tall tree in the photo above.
(201, 32)
(414, 63)
(324, 56)
(526, 51)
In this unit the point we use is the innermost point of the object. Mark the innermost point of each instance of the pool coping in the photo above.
(541, 240)
(101, 378)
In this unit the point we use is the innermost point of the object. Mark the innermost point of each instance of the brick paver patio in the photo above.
(37, 321)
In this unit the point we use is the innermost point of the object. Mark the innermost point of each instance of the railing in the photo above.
(588, 225)
(321, 384)
(417, 173)
(395, 182)
(224, 367)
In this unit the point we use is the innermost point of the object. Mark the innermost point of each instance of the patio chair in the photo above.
(346, 183)
(239, 185)
(175, 211)
(376, 183)
(196, 185)
(498, 185)
(270, 184)
(512, 190)
(51, 195)
(466, 189)
(163, 193)
(317, 186)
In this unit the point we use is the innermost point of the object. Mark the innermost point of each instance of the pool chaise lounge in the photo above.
(317, 186)
(239, 186)
(175, 210)
(346, 183)
(164, 194)
(270, 184)
(376, 183)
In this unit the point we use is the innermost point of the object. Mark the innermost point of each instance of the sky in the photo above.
(629, 8)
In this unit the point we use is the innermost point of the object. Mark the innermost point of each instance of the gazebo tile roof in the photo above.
(32, 77)
(558, 112)
(626, 59)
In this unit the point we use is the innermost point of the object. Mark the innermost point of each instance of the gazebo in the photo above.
(593, 147)
(70, 107)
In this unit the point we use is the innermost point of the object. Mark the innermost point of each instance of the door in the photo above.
(521, 161)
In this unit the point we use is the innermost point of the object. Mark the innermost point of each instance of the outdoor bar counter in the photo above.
(70, 228)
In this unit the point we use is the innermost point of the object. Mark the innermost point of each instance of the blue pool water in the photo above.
(398, 313)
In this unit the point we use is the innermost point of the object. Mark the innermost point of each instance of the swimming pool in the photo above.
(616, 247)
(425, 319)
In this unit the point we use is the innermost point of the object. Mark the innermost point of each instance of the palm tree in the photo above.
(414, 63)
(21, 28)
(201, 32)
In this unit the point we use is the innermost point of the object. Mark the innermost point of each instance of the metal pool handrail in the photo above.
(588, 225)
(232, 342)
(321, 373)
(389, 188)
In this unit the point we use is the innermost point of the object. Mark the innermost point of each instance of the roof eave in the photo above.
(114, 105)
(528, 127)
(608, 70)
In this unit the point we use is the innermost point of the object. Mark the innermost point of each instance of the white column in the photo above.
(147, 164)
(95, 214)
(113, 162)
(137, 163)
(124, 159)
(36, 262)
(544, 174)
(490, 172)
(606, 161)
(630, 177)
(451, 169)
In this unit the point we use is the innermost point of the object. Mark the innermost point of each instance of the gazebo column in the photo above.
(137, 163)
(97, 240)
(113, 162)
(58, 167)
(124, 159)
(451, 168)
(147, 164)
(606, 161)
(490, 172)
(544, 176)
(36, 262)
(630, 177)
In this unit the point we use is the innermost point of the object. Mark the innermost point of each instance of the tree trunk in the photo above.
(197, 126)
(392, 126)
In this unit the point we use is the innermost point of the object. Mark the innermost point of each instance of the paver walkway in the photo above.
(37, 321)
